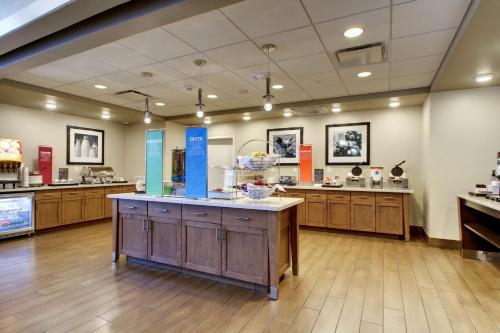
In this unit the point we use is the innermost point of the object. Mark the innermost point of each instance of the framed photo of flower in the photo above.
(286, 143)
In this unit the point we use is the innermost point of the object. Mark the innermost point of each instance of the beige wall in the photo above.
(41, 127)
(396, 135)
(464, 138)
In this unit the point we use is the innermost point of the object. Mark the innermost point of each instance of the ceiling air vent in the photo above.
(361, 55)
(309, 110)
(132, 95)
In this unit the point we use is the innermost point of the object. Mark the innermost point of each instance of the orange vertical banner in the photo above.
(306, 164)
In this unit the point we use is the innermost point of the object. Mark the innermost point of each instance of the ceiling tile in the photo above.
(186, 65)
(231, 84)
(277, 76)
(263, 17)
(161, 73)
(238, 55)
(158, 44)
(168, 94)
(206, 31)
(325, 91)
(293, 44)
(135, 80)
(76, 89)
(119, 56)
(421, 45)
(376, 25)
(290, 95)
(111, 99)
(229, 103)
(379, 71)
(317, 80)
(308, 65)
(324, 10)
(36, 80)
(416, 65)
(422, 16)
(87, 87)
(412, 81)
(366, 87)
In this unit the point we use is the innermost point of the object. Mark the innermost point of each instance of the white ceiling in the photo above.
(306, 33)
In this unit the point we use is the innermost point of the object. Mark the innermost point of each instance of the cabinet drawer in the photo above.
(44, 195)
(389, 197)
(133, 207)
(167, 210)
(362, 197)
(244, 218)
(128, 188)
(94, 192)
(73, 194)
(113, 190)
(316, 195)
(295, 193)
(201, 213)
(339, 196)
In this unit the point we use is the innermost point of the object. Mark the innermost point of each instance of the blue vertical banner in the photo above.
(196, 162)
(154, 162)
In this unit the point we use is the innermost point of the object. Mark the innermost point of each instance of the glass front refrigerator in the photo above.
(16, 214)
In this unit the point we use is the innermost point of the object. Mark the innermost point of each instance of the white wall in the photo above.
(464, 129)
(396, 135)
(40, 127)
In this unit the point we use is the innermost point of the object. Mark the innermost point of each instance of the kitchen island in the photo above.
(246, 241)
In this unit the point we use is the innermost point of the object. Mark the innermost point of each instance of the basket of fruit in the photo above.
(258, 161)
(259, 190)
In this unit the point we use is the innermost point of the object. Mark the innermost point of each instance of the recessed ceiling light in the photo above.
(336, 109)
(212, 96)
(287, 113)
(246, 117)
(353, 32)
(100, 86)
(207, 120)
(105, 116)
(51, 106)
(364, 74)
(160, 104)
(277, 86)
(483, 77)
(394, 99)
(394, 104)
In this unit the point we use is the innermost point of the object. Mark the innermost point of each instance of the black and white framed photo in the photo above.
(85, 146)
(347, 144)
(286, 143)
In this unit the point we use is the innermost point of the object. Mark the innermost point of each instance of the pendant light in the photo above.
(268, 98)
(199, 106)
(147, 113)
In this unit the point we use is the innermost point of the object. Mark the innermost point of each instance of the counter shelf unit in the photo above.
(250, 241)
(366, 210)
(479, 222)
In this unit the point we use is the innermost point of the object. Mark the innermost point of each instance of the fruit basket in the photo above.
(257, 192)
(258, 163)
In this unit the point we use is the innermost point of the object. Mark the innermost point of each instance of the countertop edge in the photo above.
(480, 201)
(350, 189)
(47, 188)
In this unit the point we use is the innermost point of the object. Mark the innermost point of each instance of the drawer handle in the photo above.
(162, 210)
(338, 197)
(389, 198)
(200, 214)
(131, 207)
(242, 218)
(362, 197)
(48, 195)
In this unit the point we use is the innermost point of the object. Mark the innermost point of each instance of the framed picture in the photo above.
(286, 143)
(85, 146)
(347, 144)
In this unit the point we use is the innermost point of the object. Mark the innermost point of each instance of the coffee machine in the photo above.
(354, 178)
(397, 179)
(10, 162)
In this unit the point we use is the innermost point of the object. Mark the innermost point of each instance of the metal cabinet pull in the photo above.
(200, 214)
(224, 235)
(162, 210)
(144, 224)
(217, 234)
(242, 218)
(131, 207)
(388, 198)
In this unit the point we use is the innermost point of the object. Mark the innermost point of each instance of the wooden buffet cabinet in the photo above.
(251, 245)
(57, 207)
(368, 211)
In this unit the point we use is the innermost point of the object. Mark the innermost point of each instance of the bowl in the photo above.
(258, 192)
(257, 163)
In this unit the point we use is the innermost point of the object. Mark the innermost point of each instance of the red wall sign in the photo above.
(45, 163)
(306, 175)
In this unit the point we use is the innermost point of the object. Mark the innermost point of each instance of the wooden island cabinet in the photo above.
(56, 207)
(242, 240)
(384, 211)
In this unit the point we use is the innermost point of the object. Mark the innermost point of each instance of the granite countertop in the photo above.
(352, 189)
(269, 204)
(481, 201)
(45, 187)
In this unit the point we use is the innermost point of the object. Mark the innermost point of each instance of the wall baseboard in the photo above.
(439, 242)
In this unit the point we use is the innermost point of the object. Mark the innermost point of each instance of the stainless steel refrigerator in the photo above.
(16, 214)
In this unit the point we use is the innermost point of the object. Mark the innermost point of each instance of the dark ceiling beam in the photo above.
(116, 23)
(315, 102)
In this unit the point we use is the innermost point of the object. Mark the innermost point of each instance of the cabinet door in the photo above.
(201, 246)
(108, 203)
(363, 216)
(73, 210)
(133, 236)
(301, 208)
(390, 218)
(339, 214)
(94, 208)
(48, 213)
(245, 254)
(316, 213)
(164, 244)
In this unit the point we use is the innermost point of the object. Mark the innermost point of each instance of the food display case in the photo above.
(16, 214)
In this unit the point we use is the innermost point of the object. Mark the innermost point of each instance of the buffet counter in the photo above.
(249, 241)
(63, 187)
